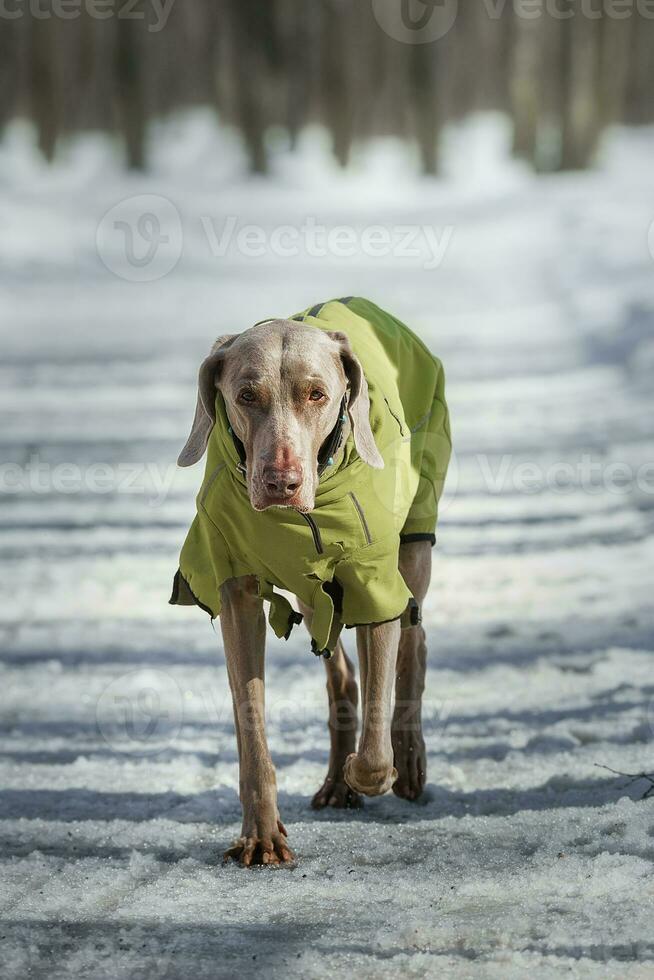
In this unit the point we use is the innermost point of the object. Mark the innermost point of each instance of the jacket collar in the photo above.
(333, 442)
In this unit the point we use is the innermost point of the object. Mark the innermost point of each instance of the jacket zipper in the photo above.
(315, 530)
(362, 518)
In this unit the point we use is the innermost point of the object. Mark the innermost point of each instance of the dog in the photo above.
(328, 441)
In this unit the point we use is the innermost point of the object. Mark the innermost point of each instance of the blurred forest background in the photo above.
(288, 63)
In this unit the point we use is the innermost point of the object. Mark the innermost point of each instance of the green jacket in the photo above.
(342, 558)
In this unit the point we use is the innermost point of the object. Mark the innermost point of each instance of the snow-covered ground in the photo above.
(118, 771)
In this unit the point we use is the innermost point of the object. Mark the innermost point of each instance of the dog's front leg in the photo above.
(371, 769)
(409, 753)
(263, 836)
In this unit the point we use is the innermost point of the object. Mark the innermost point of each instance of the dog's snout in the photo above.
(282, 481)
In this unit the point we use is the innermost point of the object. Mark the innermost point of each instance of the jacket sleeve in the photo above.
(203, 567)
(431, 447)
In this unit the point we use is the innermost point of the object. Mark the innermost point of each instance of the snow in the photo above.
(118, 768)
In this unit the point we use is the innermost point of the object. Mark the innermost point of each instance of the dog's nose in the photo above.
(282, 482)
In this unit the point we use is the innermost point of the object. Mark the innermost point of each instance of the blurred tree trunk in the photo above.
(129, 90)
(613, 67)
(505, 52)
(43, 86)
(11, 61)
(298, 37)
(338, 96)
(464, 41)
(639, 102)
(524, 88)
(425, 100)
(580, 37)
(253, 57)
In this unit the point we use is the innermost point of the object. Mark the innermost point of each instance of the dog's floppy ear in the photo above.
(358, 407)
(205, 409)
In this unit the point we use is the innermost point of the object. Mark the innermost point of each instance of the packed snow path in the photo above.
(118, 769)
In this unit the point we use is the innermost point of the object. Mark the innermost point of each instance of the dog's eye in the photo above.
(316, 395)
(247, 396)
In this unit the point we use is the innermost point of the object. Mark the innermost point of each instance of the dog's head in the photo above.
(283, 384)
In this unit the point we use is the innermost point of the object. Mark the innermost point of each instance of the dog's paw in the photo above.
(370, 782)
(336, 793)
(261, 849)
(410, 760)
